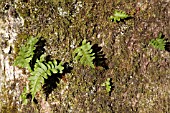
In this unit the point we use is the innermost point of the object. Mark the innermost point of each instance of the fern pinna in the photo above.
(41, 72)
(84, 54)
(26, 53)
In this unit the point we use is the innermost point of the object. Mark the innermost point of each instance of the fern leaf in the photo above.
(107, 84)
(118, 15)
(42, 71)
(84, 54)
(26, 53)
(158, 43)
(35, 84)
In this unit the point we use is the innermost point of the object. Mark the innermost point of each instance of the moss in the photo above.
(139, 74)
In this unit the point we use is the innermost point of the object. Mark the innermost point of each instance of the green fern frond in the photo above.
(26, 53)
(158, 43)
(84, 54)
(118, 15)
(42, 71)
(107, 84)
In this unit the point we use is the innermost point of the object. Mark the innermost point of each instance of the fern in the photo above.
(118, 15)
(26, 53)
(158, 43)
(41, 69)
(107, 84)
(41, 72)
(84, 54)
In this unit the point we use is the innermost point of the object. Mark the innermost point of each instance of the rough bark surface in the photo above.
(139, 73)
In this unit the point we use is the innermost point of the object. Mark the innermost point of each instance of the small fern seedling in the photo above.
(26, 53)
(84, 54)
(158, 43)
(107, 84)
(118, 15)
(41, 71)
